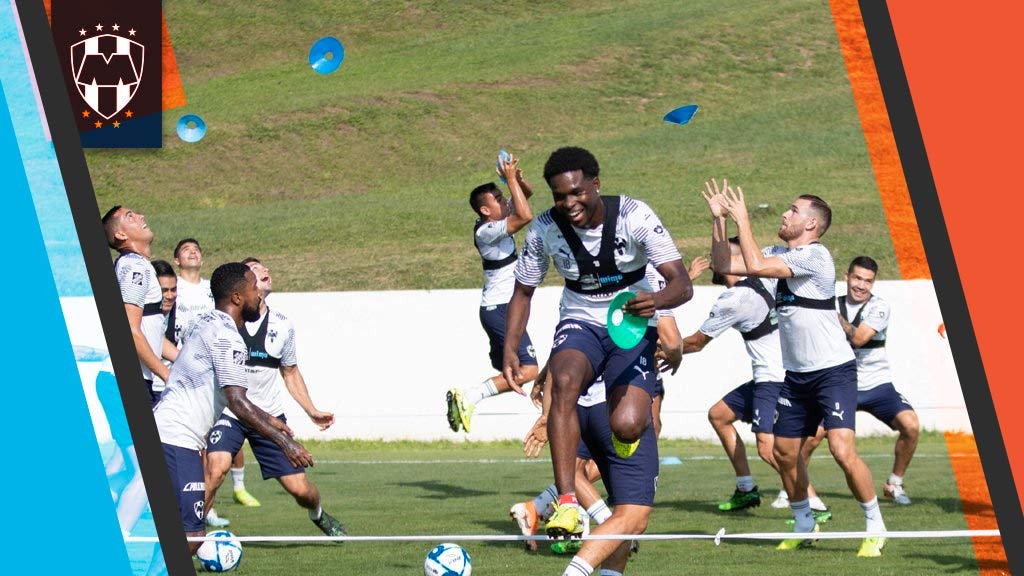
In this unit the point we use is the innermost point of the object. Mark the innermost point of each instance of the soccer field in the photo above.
(466, 488)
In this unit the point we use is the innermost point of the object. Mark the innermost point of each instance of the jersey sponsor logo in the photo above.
(569, 326)
(215, 436)
(194, 487)
(262, 355)
(222, 422)
(137, 278)
(238, 357)
(785, 402)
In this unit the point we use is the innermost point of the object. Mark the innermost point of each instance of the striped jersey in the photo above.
(139, 287)
(277, 343)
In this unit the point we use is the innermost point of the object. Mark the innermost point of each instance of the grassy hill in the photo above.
(358, 180)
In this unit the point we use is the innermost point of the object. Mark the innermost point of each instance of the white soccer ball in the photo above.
(220, 555)
(447, 560)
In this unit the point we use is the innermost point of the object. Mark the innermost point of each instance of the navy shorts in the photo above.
(109, 396)
(883, 402)
(618, 367)
(492, 318)
(754, 403)
(630, 480)
(185, 467)
(659, 387)
(228, 434)
(807, 399)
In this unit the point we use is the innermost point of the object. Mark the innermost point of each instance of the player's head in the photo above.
(860, 279)
(126, 229)
(729, 280)
(808, 216)
(234, 287)
(264, 282)
(188, 254)
(168, 284)
(487, 202)
(573, 175)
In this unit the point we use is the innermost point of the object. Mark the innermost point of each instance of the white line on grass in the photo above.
(548, 461)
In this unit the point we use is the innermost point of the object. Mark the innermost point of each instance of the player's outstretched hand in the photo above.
(668, 358)
(642, 305)
(297, 454)
(697, 267)
(536, 438)
(323, 420)
(734, 204)
(713, 196)
(509, 169)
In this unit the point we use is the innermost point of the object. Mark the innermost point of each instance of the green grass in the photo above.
(358, 180)
(394, 498)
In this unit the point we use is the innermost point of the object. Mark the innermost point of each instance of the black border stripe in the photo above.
(84, 210)
(945, 276)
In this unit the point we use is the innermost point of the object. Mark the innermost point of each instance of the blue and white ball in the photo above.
(220, 555)
(448, 560)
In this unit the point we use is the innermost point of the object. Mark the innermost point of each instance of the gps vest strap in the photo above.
(598, 274)
(785, 297)
(172, 318)
(857, 320)
(771, 322)
(151, 309)
(257, 345)
(494, 264)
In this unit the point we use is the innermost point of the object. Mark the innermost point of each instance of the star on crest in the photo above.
(81, 32)
(98, 124)
(131, 32)
(99, 27)
(115, 27)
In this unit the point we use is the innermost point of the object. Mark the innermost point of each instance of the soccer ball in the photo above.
(220, 555)
(447, 560)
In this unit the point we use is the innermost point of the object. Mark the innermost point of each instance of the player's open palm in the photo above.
(323, 420)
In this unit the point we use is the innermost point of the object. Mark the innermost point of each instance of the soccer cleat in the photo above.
(820, 516)
(871, 548)
(330, 525)
(624, 449)
(454, 422)
(781, 501)
(634, 547)
(525, 515)
(565, 522)
(243, 497)
(897, 493)
(741, 500)
(215, 521)
(566, 546)
(797, 543)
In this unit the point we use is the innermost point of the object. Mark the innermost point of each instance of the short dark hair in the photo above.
(227, 279)
(570, 159)
(865, 262)
(163, 268)
(184, 241)
(474, 196)
(250, 260)
(110, 225)
(823, 210)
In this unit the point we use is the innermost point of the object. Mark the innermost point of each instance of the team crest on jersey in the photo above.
(137, 278)
(198, 509)
(108, 70)
(272, 334)
(239, 357)
(215, 436)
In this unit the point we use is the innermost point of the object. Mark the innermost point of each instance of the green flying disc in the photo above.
(626, 330)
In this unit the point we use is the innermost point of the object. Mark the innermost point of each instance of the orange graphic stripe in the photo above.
(977, 504)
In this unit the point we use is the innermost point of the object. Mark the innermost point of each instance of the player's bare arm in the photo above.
(520, 214)
(669, 354)
(537, 437)
(145, 353)
(695, 342)
(857, 335)
(267, 425)
(296, 386)
(516, 317)
(755, 263)
(169, 351)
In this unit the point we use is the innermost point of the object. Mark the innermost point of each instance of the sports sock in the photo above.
(745, 483)
(802, 515)
(543, 502)
(609, 572)
(569, 498)
(480, 391)
(895, 480)
(817, 504)
(314, 515)
(873, 516)
(238, 478)
(578, 567)
(599, 511)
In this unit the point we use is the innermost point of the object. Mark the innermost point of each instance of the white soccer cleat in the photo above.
(781, 501)
(897, 493)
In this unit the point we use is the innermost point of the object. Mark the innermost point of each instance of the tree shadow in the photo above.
(441, 490)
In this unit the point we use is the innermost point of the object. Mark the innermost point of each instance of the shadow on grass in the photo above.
(952, 563)
(441, 490)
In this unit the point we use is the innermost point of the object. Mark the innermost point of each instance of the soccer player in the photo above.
(168, 281)
(128, 233)
(600, 246)
(748, 305)
(498, 220)
(194, 300)
(209, 375)
(821, 373)
(271, 344)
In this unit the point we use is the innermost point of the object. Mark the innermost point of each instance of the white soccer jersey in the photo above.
(657, 282)
(266, 390)
(594, 395)
(495, 243)
(812, 339)
(139, 287)
(742, 308)
(639, 238)
(872, 363)
(212, 358)
(193, 301)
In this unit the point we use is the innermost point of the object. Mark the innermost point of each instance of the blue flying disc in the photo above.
(681, 115)
(194, 133)
(625, 330)
(502, 157)
(671, 461)
(326, 55)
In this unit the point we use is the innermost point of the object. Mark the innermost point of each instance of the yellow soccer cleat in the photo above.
(243, 497)
(623, 449)
(565, 522)
(797, 543)
(871, 548)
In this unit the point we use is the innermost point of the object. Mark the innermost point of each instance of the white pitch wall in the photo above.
(382, 361)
